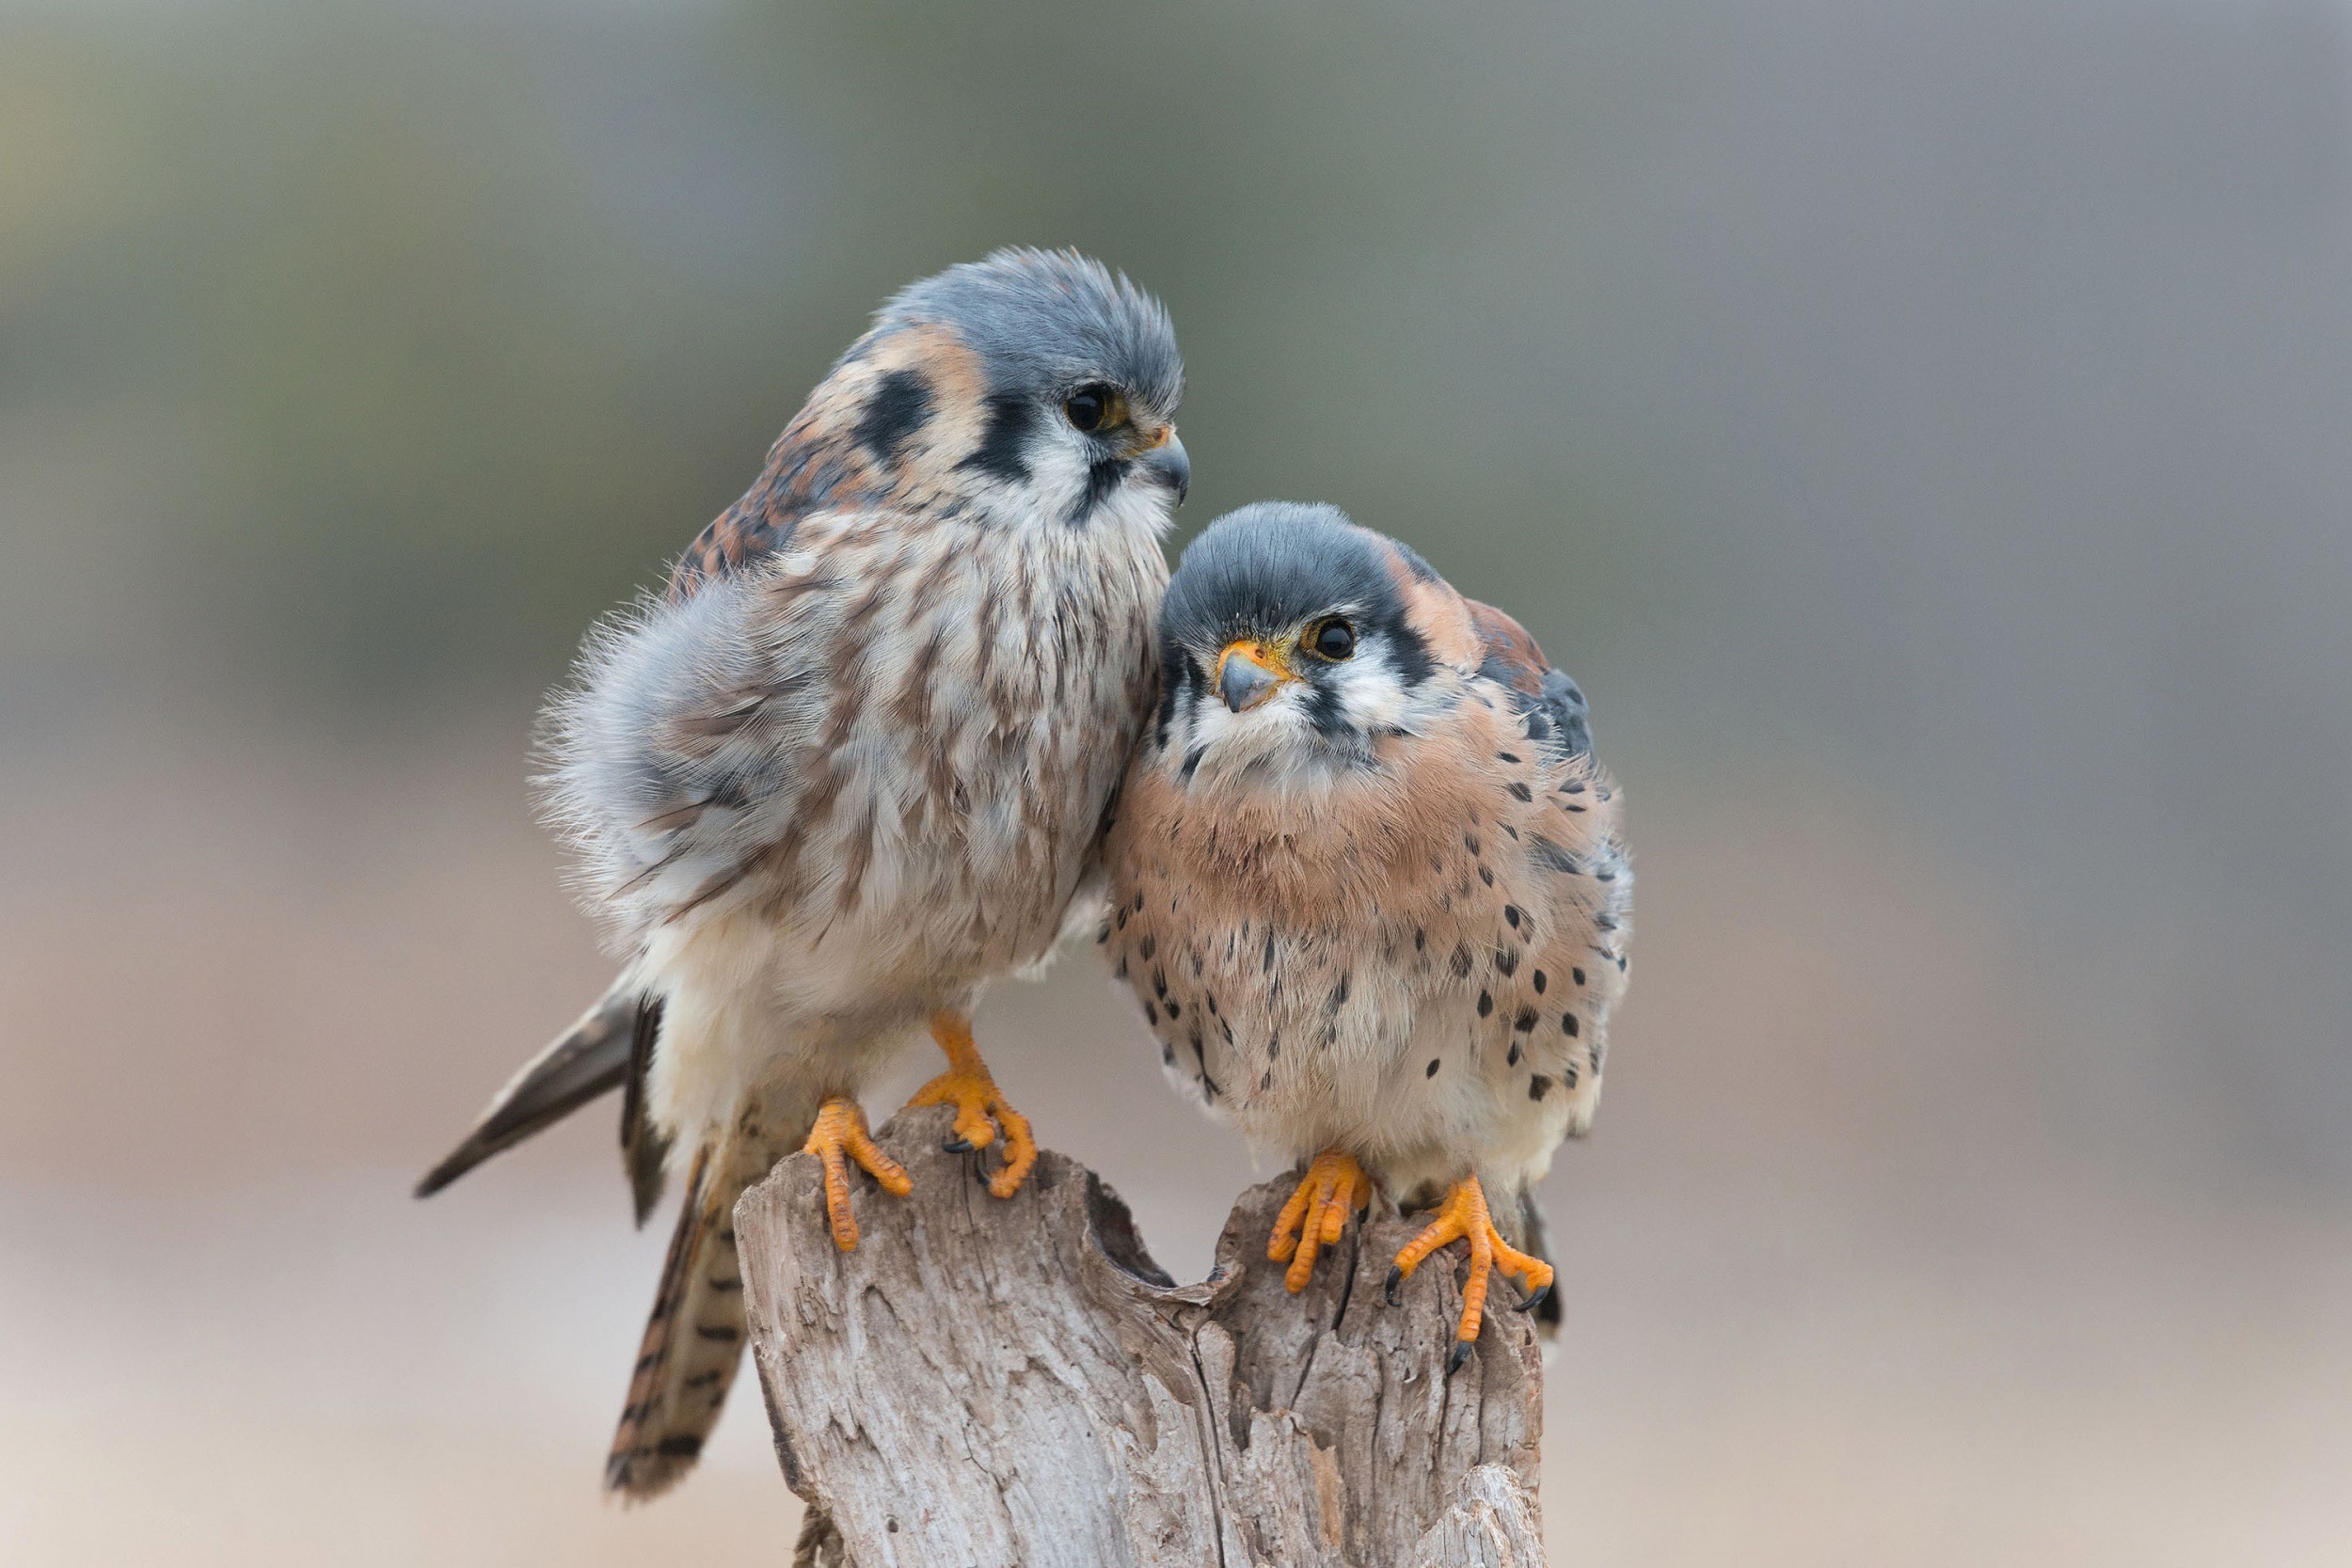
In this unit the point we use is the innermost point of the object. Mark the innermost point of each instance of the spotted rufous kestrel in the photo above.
(1367, 883)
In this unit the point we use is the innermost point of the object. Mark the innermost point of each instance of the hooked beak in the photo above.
(1166, 460)
(1248, 673)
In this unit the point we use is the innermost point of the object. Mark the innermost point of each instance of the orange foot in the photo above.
(1334, 1187)
(1464, 1216)
(838, 1137)
(980, 1108)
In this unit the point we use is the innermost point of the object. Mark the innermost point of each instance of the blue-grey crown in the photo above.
(1268, 566)
(1046, 321)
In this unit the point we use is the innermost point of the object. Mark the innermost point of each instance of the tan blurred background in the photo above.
(1925, 430)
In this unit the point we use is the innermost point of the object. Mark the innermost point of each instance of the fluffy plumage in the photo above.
(853, 764)
(1375, 904)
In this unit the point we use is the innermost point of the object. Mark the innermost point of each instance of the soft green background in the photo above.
(1925, 431)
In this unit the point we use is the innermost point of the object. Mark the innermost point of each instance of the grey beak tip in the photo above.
(1174, 465)
(1242, 683)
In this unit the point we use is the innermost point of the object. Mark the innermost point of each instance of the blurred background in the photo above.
(1925, 431)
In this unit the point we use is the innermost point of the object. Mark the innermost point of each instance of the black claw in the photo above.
(1396, 1277)
(1461, 1353)
(957, 1146)
(1536, 1300)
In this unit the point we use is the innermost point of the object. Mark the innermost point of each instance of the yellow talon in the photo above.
(1464, 1218)
(980, 1106)
(1334, 1187)
(838, 1137)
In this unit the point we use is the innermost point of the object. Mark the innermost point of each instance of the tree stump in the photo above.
(1014, 1384)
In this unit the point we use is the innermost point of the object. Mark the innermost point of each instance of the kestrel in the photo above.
(853, 764)
(1367, 883)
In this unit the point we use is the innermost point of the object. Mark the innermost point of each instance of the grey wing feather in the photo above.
(1558, 718)
(589, 1059)
(681, 752)
(1552, 704)
(1563, 704)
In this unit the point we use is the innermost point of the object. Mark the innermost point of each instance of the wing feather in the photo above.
(1553, 706)
(588, 1060)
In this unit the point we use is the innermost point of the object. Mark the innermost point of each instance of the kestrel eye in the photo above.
(1094, 407)
(1334, 640)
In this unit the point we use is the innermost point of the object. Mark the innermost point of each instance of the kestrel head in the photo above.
(1036, 384)
(1291, 641)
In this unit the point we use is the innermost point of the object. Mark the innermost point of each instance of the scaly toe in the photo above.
(1333, 1187)
(980, 1112)
(890, 1176)
(971, 1094)
(1464, 1218)
(838, 1137)
(1283, 1242)
(838, 1215)
(1020, 1151)
(1302, 1267)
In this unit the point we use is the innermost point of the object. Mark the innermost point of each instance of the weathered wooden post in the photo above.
(1016, 1384)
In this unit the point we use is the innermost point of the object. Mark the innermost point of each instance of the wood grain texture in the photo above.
(1000, 1383)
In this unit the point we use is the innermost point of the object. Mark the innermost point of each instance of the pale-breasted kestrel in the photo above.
(853, 764)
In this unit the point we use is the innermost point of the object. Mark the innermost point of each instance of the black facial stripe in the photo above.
(1323, 708)
(1178, 674)
(898, 408)
(1010, 418)
(1406, 651)
(1102, 479)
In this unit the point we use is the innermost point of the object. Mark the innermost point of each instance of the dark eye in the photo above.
(1334, 640)
(1094, 407)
